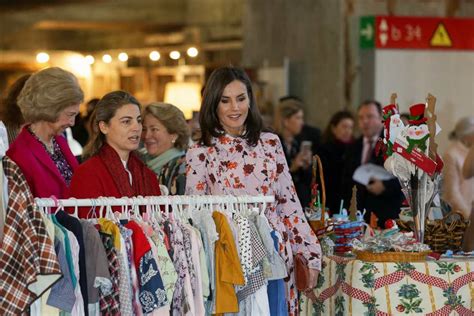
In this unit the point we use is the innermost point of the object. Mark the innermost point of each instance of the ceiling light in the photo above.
(42, 57)
(123, 57)
(175, 55)
(192, 52)
(90, 59)
(154, 55)
(107, 59)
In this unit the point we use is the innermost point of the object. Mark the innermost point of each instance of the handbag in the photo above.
(301, 273)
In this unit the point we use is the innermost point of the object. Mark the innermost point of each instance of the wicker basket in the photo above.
(447, 233)
(442, 234)
(391, 256)
(319, 226)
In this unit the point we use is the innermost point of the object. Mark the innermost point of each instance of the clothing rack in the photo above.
(154, 200)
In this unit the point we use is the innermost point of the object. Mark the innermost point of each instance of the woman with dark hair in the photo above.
(10, 113)
(336, 139)
(112, 168)
(235, 157)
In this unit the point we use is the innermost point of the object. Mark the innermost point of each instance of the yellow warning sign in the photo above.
(441, 37)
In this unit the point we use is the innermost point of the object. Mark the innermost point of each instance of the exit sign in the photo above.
(416, 33)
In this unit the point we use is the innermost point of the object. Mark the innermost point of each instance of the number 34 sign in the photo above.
(416, 33)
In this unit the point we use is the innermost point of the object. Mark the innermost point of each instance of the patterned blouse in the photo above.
(58, 158)
(232, 167)
(173, 175)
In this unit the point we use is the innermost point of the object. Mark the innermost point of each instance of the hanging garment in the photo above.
(125, 291)
(61, 295)
(256, 278)
(245, 245)
(98, 275)
(204, 222)
(26, 244)
(125, 298)
(167, 270)
(109, 303)
(73, 225)
(228, 268)
(127, 236)
(79, 308)
(276, 263)
(152, 292)
(276, 290)
(197, 286)
(183, 300)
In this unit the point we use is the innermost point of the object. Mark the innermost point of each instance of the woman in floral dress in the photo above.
(235, 157)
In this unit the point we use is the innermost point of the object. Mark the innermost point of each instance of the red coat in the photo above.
(40, 171)
(92, 180)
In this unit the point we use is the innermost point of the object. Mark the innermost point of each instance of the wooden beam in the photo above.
(59, 25)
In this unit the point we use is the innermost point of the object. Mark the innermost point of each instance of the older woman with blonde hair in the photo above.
(458, 192)
(49, 102)
(166, 137)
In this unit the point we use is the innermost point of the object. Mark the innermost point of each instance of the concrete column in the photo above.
(308, 32)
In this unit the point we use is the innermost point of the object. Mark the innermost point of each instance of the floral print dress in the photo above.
(232, 167)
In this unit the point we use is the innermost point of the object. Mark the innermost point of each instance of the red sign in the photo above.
(424, 33)
(418, 158)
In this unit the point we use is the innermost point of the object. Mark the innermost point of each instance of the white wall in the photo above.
(448, 75)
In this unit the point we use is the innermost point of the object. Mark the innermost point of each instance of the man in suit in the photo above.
(381, 198)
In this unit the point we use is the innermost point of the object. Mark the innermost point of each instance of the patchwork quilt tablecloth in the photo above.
(354, 287)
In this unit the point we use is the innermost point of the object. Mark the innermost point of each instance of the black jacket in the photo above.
(332, 158)
(385, 206)
(301, 177)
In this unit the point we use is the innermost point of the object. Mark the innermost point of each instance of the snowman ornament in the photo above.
(417, 134)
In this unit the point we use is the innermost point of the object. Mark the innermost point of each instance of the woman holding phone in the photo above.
(288, 124)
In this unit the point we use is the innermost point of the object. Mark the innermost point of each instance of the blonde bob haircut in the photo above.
(173, 120)
(47, 93)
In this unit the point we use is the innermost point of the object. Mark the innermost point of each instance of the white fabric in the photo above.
(128, 171)
(78, 308)
(198, 296)
(73, 144)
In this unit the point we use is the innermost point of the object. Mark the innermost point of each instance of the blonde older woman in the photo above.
(166, 138)
(49, 102)
(458, 192)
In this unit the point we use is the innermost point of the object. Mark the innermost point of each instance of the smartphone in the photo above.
(306, 146)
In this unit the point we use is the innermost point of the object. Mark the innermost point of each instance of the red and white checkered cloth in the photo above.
(26, 251)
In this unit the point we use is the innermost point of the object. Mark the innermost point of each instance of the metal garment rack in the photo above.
(154, 200)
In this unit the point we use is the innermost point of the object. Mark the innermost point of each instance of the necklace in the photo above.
(49, 147)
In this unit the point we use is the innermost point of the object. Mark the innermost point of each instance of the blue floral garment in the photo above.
(152, 291)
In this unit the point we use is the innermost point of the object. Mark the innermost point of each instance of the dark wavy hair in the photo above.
(104, 111)
(328, 135)
(208, 119)
(10, 112)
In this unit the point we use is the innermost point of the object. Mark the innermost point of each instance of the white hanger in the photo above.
(76, 208)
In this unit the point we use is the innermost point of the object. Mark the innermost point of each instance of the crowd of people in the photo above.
(131, 149)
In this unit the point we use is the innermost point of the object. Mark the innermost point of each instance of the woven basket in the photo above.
(447, 233)
(391, 256)
(442, 234)
(319, 227)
